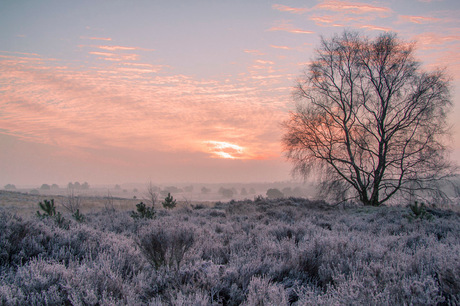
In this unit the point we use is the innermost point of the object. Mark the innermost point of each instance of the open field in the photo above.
(264, 252)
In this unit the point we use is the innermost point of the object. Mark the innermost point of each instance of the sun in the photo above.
(226, 150)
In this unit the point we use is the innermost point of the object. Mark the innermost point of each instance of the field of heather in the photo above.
(253, 252)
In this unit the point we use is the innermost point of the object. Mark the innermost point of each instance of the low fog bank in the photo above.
(181, 191)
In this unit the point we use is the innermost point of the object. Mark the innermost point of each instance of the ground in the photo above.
(252, 252)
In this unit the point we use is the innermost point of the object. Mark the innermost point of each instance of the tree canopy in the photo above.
(368, 120)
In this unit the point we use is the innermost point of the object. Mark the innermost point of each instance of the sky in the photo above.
(178, 91)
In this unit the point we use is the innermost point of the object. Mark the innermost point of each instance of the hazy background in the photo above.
(112, 92)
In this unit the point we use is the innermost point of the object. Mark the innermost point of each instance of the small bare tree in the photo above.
(71, 202)
(369, 121)
(151, 195)
(108, 203)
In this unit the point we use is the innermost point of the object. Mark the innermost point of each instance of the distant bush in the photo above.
(274, 193)
(45, 187)
(205, 190)
(226, 192)
(10, 187)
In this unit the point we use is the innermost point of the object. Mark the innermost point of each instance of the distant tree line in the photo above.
(78, 186)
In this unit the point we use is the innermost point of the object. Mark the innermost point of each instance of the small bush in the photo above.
(419, 212)
(165, 247)
(143, 212)
(79, 217)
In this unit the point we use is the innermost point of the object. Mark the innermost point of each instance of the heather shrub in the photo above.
(165, 247)
(262, 292)
(269, 252)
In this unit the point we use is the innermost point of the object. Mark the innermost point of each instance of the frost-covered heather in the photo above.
(252, 253)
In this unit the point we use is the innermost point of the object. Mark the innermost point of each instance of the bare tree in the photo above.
(108, 203)
(71, 202)
(368, 120)
(151, 194)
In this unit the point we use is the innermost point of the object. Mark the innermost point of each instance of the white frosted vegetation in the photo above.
(271, 252)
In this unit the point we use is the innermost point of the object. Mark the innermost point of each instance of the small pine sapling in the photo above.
(79, 217)
(419, 212)
(49, 210)
(61, 221)
(143, 212)
(169, 202)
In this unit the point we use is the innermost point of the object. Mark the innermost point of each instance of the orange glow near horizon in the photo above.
(132, 86)
(134, 104)
(223, 149)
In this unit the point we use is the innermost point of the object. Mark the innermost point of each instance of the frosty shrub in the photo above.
(270, 252)
(165, 247)
(262, 292)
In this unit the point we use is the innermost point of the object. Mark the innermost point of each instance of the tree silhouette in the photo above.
(368, 120)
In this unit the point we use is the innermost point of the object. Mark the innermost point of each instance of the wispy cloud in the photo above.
(417, 19)
(289, 9)
(136, 105)
(352, 7)
(336, 6)
(101, 53)
(432, 40)
(281, 47)
(332, 13)
(96, 38)
(115, 48)
(287, 27)
(376, 28)
(122, 48)
(255, 52)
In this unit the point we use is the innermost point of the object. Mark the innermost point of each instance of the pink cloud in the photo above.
(22, 53)
(101, 53)
(287, 27)
(265, 62)
(352, 7)
(376, 28)
(338, 14)
(255, 52)
(417, 19)
(96, 38)
(337, 6)
(285, 8)
(432, 40)
(281, 47)
(122, 48)
(115, 48)
(131, 105)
